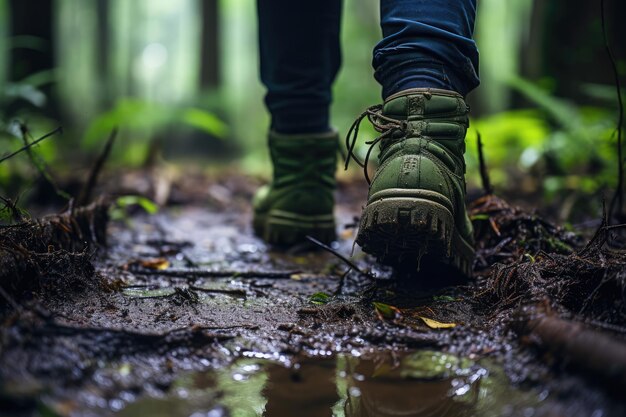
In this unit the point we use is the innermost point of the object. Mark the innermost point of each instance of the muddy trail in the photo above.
(186, 313)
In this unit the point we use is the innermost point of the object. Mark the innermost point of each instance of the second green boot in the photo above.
(416, 201)
(299, 201)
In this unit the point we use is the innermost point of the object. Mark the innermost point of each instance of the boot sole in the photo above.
(279, 227)
(400, 227)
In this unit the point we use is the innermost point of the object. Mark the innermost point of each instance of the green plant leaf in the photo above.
(386, 311)
(479, 217)
(320, 298)
(446, 298)
(204, 121)
(119, 210)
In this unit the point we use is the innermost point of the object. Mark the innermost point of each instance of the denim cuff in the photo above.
(401, 72)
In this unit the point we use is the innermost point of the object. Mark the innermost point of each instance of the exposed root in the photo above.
(505, 234)
(579, 347)
(590, 283)
(51, 253)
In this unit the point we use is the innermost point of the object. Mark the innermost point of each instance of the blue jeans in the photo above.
(426, 43)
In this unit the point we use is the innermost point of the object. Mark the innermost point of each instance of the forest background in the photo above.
(179, 78)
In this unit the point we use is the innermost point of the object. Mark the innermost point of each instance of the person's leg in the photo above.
(427, 43)
(426, 63)
(300, 56)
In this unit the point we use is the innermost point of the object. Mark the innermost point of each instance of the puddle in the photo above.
(424, 383)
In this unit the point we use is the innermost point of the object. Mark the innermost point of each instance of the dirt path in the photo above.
(190, 313)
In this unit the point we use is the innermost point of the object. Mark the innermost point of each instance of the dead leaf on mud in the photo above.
(158, 264)
(347, 234)
(434, 324)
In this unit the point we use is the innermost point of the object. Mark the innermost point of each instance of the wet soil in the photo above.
(191, 314)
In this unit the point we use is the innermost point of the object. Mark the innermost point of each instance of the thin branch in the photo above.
(85, 194)
(191, 273)
(11, 206)
(40, 164)
(10, 300)
(484, 172)
(235, 292)
(31, 144)
(619, 192)
(338, 255)
(342, 282)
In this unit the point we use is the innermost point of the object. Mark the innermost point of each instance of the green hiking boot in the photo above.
(416, 201)
(299, 201)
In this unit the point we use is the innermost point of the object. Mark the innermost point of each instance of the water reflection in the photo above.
(413, 386)
(307, 388)
(424, 383)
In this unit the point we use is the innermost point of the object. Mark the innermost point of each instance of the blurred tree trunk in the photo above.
(566, 44)
(501, 29)
(4, 47)
(209, 64)
(32, 50)
(32, 22)
(103, 51)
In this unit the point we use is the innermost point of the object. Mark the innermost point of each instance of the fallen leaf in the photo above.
(156, 263)
(434, 324)
(445, 298)
(125, 369)
(347, 234)
(320, 298)
(481, 216)
(386, 311)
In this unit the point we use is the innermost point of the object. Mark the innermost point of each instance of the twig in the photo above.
(190, 287)
(219, 290)
(190, 273)
(599, 238)
(40, 164)
(31, 144)
(11, 206)
(85, 194)
(484, 173)
(342, 282)
(10, 300)
(149, 336)
(338, 255)
(619, 192)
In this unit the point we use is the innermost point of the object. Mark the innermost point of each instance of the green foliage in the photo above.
(565, 146)
(320, 298)
(22, 105)
(385, 310)
(144, 119)
(11, 213)
(120, 209)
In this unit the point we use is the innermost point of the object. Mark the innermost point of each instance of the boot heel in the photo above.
(401, 229)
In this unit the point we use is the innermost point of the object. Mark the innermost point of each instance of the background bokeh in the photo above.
(180, 76)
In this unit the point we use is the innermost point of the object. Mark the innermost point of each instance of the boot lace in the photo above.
(383, 124)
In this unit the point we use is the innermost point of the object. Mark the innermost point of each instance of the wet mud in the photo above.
(191, 314)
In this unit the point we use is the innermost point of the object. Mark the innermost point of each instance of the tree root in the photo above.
(52, 253)
(577, 346)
